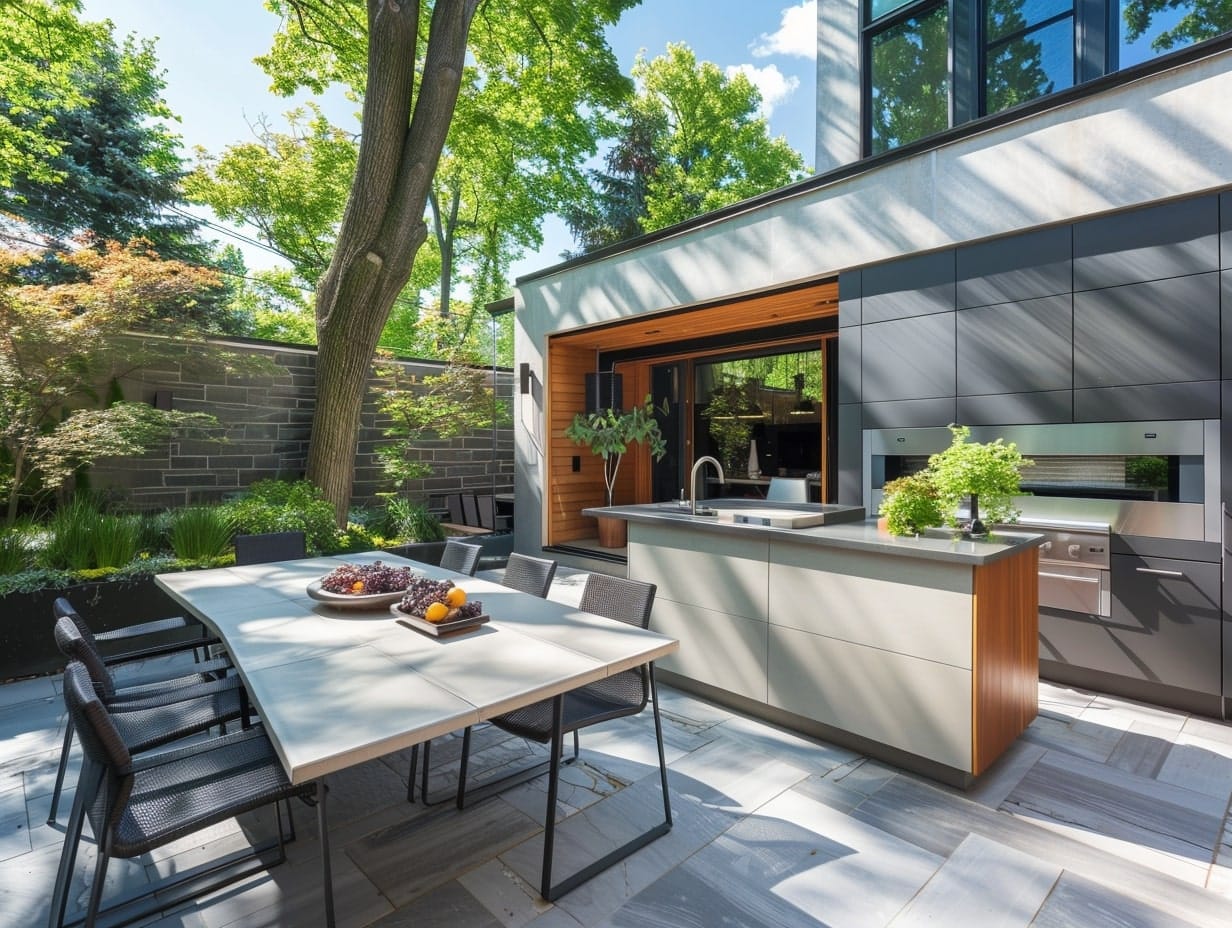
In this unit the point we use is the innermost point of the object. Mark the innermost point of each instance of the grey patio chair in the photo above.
(461, 557)
(788, 490)
(525, 574)
(546, 722)
(470, 510)
(157, 627)
(488, 517)
(135, 805)
(153, 713)
(268, 547)
(453, 502)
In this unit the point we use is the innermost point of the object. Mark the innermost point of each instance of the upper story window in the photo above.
(1028, 51)
(909, 76)
(929, 64)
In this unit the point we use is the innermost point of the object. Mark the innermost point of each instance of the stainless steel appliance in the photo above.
(1074, 565)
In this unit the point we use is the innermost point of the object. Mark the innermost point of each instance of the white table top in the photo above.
(339, 687)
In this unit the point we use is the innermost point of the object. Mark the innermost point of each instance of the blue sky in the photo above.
(206, 48)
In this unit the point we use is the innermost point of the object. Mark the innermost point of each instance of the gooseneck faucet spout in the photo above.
(693, 479)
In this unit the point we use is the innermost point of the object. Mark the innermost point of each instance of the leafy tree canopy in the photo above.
(691, 141)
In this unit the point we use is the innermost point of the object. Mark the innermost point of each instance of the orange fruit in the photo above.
(357, 586)
(455, 597)
(436, 612)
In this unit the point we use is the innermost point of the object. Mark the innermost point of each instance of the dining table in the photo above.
(336, 687)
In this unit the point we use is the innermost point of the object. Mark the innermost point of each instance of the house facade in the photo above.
(1022, 222)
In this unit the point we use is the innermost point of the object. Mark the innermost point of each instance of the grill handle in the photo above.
(1160, 573)
(1069, 578)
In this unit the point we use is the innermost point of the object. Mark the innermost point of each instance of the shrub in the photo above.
(115, 541)
(14, 552)
(410, 522)
(200, 532)
(911, 504)
(70, 544)
(281, 506)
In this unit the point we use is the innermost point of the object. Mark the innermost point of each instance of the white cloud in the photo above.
(796, 35)
(774, 85)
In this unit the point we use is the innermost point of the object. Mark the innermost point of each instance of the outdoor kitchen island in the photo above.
(922, 651)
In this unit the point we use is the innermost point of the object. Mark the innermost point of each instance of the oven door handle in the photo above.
(1159, 573)
(1069, 577)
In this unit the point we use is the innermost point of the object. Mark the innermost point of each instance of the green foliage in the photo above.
(15, 553)
(608, 434)
(34, 579)
(732, 397)
(1147, 471)
(455, 402)
(1202, 19)
(405, 522)
(115, 541)
(281, 506)
(992, 470)
(200, 532)
(71, 529)
(690, 142)
(911, 504)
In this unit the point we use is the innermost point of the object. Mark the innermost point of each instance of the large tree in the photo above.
(690, 142)
(112, 168)
(413, 70)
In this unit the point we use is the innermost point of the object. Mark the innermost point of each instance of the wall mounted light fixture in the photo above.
(524, 377)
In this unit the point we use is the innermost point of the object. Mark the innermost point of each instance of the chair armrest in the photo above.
(168, 695)
(149, 628)
(150, 760)
(158, 650)
(149, 684)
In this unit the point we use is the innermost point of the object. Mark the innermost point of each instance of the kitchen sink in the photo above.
(791, 518)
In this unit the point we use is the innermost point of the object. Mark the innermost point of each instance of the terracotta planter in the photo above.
(613, 533)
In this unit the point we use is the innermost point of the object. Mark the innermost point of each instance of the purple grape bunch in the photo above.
(367, 579)
(422, 593)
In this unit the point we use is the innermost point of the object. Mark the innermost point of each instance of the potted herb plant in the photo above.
(987, 474)
(609, 433)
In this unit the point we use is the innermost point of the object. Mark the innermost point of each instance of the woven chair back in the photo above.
(104, 777)
(78, 647)
(531, 575)
(461, 557)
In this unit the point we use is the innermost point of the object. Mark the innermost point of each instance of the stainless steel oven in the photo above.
(1074, 566)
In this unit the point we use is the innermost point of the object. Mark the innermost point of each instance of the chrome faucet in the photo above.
(693, 479)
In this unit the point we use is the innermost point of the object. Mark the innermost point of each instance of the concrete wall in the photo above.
(265, 421)
(1162, 137)
(838, 84)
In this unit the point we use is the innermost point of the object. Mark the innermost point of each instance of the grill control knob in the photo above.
(1045, 547)
(1075, 550)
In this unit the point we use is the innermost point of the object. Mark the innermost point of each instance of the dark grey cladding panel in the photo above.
(1017, 408)
(1225, 457)
(911, 287)
(1197, 400)
(1225, 230)
(1225, 316)
(909, 414)
(850, 454)
(849, 288)
(1019, 268)
(908, 358)
(1166, 331)
(1169, 240)
(1016, 347)
(849, 365)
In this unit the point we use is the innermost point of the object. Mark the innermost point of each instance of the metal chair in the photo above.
(269, 547)
(525, 574)
(62, 607)
(153, 713)
(135, 805)
(546, 722)
(788, 490)
(461, 557)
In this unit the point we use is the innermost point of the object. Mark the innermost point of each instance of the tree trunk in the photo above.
(383, 225)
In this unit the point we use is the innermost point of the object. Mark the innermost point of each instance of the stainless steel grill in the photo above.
(1074, 565)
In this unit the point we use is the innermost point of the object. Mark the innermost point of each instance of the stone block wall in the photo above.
(265, 415)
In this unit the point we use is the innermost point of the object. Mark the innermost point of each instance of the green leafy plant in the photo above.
(14, 552)
(729, 425)
(282, 506)
(911, 504)
(70, 530)
(1148, 471)
(608, 434)
(992, 471)
(200, 532)
(115, 541)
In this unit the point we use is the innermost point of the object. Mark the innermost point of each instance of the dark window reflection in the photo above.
(1030, 51)
(910, 80)
(1148, 28)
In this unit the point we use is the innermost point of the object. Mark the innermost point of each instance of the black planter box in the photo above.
(27, 645)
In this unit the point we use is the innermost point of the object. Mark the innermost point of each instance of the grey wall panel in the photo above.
(1016, 347)
(908, 358)
(1017, 408)
(849, 365)
(1170, 240)
(1199, 400)
(1165, 331)
(1225, 320)
(909, 414)
(914, 286)
(1225, 230)
(1225, 460)
(1021, 267)
(850, 455)
(849, 291)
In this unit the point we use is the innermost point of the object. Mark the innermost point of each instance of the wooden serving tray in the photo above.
(437, 629)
